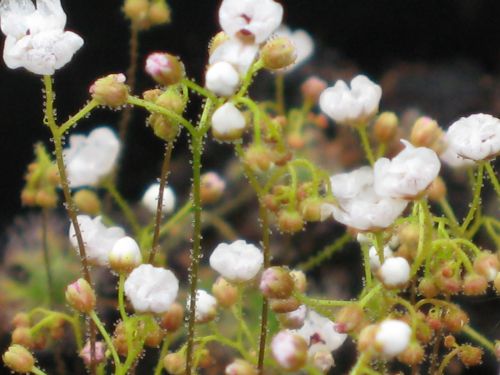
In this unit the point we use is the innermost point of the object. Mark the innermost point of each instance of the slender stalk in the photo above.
(446, 360)
(107, 338)
(363, 135)
(476, 336)
(493, 178)
(124, 207)
(37, 371)
(193, 86)
(159, 208)
(359, 367)
(280, 93)
(264, 218)
(325, 254)
(448, 211)
(46, 256)
(379, 245)
(366, 265)
(162, 354)
(121, 293)
(478, 184)
(180, 214)
(89, 107)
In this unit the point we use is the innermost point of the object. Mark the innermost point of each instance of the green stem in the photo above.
(37, 371)
(423, 239)
(476, 336)
(247, 80)
(280, 93)
(264, 221)
(493, 178)
(446, 360)
(159, 208)
(366, 263)
(325, 254)
(238, 314)
(124, 206)
(163, 353)
(448, 211)
(358, 368)
(368, 296)
(256, 117)
(193, 86)
(365, 142)
(121, 293)
(89, 107)
(179, 215)
(46, 256)
(107, 338)
(476, 197)
(379, 246)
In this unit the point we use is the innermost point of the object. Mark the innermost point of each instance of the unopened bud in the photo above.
(155, 336)
(110, 90)
(100, 353)
(159, 13)
(136, 10)
(408, 234)
(120, 341)
(125, 255)
(258, 157)
(164, 68)
(450, 342)
(487, 265)
(228, 123)
(428, 288)
(276, 282)
(87, 202)
(290, 221)
(240, 367)
(212, 187)
(412, 355)
(312, 88)
(205, 359)
(299, 280)
(427, 133)
(289, 350)
(81, 296)
(474, 285)
(18, 359)
(151, 95)
(323, 361)
(470, 355)
(385, 127)
(23, 337)
(175, 363)
(225, 292)
(311, 209)
(278, 53)
(172, 320)
(349, 318)
(296, 140)
(437, 190)
(282, 306)
(367, 337)
(455, 319)
(46, 199)
(21, 320)
(294, 319)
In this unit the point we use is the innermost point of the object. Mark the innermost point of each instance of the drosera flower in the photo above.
(100, 353)
(238, 261)
(125, 255)
(353, 105)
(452, 159)
(98, 239)
(212, 187)
(476, 137)
(236, 53)
(395, 272)
(303, 42)
(228, 123)
(150, 198)
(289, 350)
(222, 79)
(392, 337)
(359, 206)
(375, 259)
(36, 39)
(206, 307)
(250, 20)
(151, 289)
(90, 158)
(408, 174)
(165, 68)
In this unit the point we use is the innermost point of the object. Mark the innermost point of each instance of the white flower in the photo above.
(452, 159)
(250, 19)
(359, 206)
(354, 105)
(36, 39)
(151, 289)
(374, 258)
(125, 255)
(320, 333)
(222, 79)
(304, 44)
(238, 261)
(98, 239)
(289, 350)
(393, 337)
(150, 198)
(408, 174)
(476, 137)
(228, 119)
(90, 158)
(240, 55)
(395, 272)
(206, 306)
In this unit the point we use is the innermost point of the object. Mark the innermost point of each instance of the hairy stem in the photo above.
(476, 199)
(263, 215)
(363, 135)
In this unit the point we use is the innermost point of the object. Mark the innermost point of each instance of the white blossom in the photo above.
(236, 53)
(395, 272)
(375, 259)
(36, 39)
(351, 105)
(222, 79)
(238, 261)
(320, 333)
(303, 42)
(150, 198)
(151, 289)
(250, 19)
(206, 306)
(125, 253)
(392, 337)
(359, 206)
(98, 239)
(408, 174)
(228, 119)
(90, 158)
(476, 137)
(452, 159)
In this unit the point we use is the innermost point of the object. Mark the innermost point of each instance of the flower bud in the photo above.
(311, 209)
(450, 342)
(409, 234)
(164, 68)
(151, 95)
(136, 10)
(436, 190)
(427, 133)
(46, 199)
(282, 306)
(206, 307)
(110, 90)
(159, 13)
(349, 318)
(125, 255)
(299, 280)
(21, 320)
(323, 361)
(28, 197)
(385, 127)
(18, 359)
(293, 319)
(424, 332)
(470, 355)
(447, 280)
(428, 288)
(81, 296)
(366, 338)
(225, 292)
(23, 337)
(392, 337)
(240, 367)
(120, 339)
(228, 123)
(205, 359)
(487, 265)
(312, 88)
(454, 319)
(474, 285)
(271, 202)
(172, 320)
(278, 53)
(212, 187)
(276, 282)
(222, 79)
(289, 350)
(175, 363)
(290, 221)
(413, 354)
(100, 353)
(394, 272)
(258, 157)
(87, 202)
(155, 336)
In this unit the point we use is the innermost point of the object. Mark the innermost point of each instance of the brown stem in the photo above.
(159, 208)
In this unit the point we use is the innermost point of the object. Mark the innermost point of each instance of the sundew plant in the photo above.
(239, 307)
